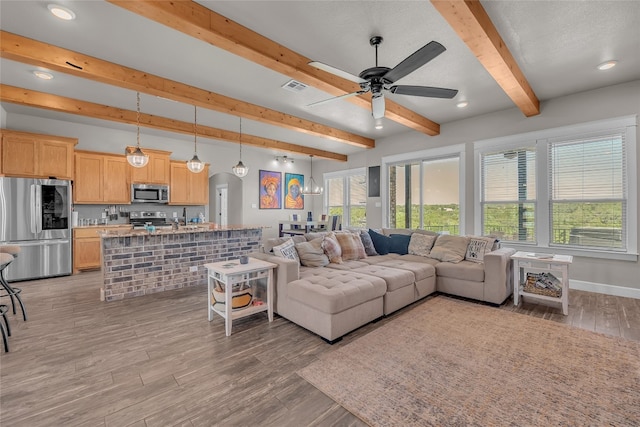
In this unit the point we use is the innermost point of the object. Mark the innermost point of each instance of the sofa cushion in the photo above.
(311, 253)
(347, 265)
(350, 245)
(478, 247)
(464, 270)
(331, 247)
(418, 258)
(450, 248)
(420, 270)
(421, 244)
(276, 241)
(371, 260)
(337, 291)
(369, 248)
(287, 250)
(381, 242)
(399, 244)
(407, 231)
(395, 277)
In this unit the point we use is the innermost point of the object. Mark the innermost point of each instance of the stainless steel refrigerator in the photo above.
(35, 214)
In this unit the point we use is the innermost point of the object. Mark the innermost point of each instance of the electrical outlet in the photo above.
(194, 268)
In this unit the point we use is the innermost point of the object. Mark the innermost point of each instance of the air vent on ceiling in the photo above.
(294, 86)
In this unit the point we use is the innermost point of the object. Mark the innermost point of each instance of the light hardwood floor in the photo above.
(157, 361)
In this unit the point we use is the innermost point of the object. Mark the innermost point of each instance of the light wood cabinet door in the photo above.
(179, 187)
(86, 254)
(38, 156)
(117, 185)
(89, 177)
(199, 187)
(157, 171)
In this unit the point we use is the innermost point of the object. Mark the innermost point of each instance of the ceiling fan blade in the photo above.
(335, 98)
(378, 106)
(416, 60)
(426, 91)
(336, 71)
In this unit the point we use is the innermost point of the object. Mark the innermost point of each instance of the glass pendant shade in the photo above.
(311, 188)
(240, 170)
(195, 165)
(137, 158)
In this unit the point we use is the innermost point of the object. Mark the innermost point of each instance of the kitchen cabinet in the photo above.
(86, 246)
(34, 155)
(188, 188)
(101, 178)
(157, 171)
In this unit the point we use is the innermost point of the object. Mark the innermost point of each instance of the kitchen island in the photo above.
(137, 263)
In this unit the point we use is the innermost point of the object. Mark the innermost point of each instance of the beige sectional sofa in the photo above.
(336, 298)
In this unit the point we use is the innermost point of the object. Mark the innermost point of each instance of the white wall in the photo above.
(3, 117)
(613, 101)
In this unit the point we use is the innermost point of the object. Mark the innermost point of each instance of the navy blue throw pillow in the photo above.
(399, 244)
(381, 242)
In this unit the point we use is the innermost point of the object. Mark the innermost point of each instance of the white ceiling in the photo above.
(556, 43)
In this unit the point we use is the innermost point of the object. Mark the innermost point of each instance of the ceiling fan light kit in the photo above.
(378, 79)
(137, 158)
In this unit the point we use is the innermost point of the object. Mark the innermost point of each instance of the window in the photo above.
(588, 192)
(572, 187)
(425, 194)
(346, 195)
(508, 194)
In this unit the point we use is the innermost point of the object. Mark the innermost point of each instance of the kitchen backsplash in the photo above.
(96, 211)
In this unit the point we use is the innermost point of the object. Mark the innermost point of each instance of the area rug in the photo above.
(453, 363)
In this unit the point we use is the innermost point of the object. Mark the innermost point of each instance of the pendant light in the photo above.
(195, 165)
(312, 189)
(137, 158)
(240, 170)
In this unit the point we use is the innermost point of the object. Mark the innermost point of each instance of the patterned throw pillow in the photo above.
(450, 248)
(478, 247)
(421, 244)
(351, 246)
(287, 250)
(311, 253)
(369, 248)
(331, 247)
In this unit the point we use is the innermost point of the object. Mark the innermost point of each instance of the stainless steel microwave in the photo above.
(149, 193)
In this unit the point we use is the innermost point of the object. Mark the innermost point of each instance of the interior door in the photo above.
(222, 205)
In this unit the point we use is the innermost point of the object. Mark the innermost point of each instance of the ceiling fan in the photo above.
(376, 79)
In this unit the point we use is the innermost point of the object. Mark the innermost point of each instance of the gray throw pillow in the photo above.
(369, 248)
(311, 253)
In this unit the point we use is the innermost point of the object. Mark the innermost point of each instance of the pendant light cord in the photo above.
(195, 129)
(138, 120)
(241, 138)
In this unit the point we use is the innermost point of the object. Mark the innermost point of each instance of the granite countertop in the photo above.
(195, 228)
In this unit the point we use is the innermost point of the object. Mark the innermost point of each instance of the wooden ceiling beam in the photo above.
(204, 24)
(30, 98)
(473, 25)
(33, 52)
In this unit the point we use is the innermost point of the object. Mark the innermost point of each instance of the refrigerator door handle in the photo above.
(38, 212)
(32, 204)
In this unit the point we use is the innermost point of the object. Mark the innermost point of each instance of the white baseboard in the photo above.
(601, 288)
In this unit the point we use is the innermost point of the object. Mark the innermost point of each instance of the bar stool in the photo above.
(7, 254)
(6, 331)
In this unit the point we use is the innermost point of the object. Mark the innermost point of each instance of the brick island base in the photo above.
(138, 263)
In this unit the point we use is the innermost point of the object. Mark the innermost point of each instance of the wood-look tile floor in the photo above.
(157, 361)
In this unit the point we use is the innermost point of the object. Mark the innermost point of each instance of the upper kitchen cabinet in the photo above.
(157, 171)
(101, 178)
(34, 155)
(188, 188)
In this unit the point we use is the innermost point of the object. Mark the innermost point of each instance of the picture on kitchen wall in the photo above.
(294, 185)
(270, 189)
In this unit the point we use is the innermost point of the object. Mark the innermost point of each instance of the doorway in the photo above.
(222, 204)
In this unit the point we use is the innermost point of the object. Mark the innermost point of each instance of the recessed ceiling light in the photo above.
(462, 104)
(379, 124)
(62, 12)
(607, 65)
(42, 75)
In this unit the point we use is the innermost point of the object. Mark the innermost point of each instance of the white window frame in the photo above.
(542, 139)
(344, 175)
(422, 156)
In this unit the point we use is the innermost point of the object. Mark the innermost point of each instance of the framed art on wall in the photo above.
(270, 189)
(294, 183)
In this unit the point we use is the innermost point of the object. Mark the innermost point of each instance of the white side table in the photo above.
(558, 265)
(230, 274)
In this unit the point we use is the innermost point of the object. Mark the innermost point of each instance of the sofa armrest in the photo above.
(498, 275)
(287, 270)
